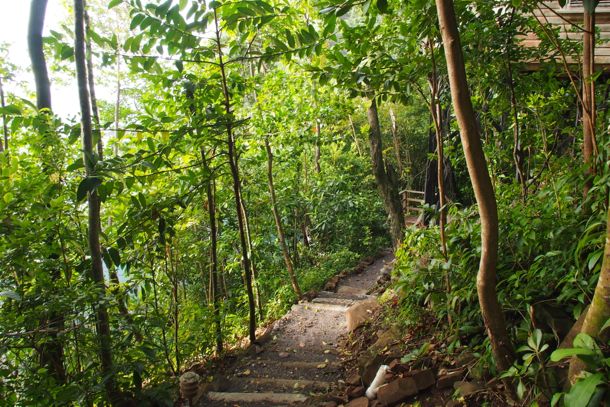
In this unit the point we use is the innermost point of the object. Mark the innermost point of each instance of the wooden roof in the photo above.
(569, 19)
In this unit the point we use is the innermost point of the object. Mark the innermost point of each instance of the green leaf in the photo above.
(382, 6)
(114, 3)
(560, 354)
(594, 258)
(87, 185)
(115, 256)
(10, 109)
(582, 391)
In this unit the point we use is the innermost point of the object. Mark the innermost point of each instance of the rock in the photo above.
(331, 285)
(283, 355)
(397, 391)
(423, 378)
(465, 389)
(360, 313)
(384, 339)
(355, 392)
(329, 404)
(447, 379)
(359, 402)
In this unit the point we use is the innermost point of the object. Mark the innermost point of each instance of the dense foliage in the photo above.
(264, 112)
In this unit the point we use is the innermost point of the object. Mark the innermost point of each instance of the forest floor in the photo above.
(298, 362)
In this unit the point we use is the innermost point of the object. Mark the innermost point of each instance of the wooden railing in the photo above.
(412, 203)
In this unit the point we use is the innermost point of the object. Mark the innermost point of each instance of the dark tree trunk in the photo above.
(257, 291)
(431, 182)
(387, 188)
(97, 132)
(94, 224)
(211, 194)
(51, 351)
(39, 65)
(481, 182)
(278, 223)
(233, 164)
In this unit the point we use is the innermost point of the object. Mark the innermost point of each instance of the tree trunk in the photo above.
(257, 291)
(588, 97)
(354, 135)
(94, 225)
(396, 142)
(599, 310)
(211, 194)
(435, 109)
(97, 132)
(318, 153)
(51, 351)
(387, 189)
(3, 146)
(278, 223)
(431, 182)
(233, 164)
(39, 66)
(483, 189)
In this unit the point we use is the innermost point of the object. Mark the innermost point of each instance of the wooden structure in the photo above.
(412, 203)
(569, 20)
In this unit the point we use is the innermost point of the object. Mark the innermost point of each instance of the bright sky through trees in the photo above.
(13, 31)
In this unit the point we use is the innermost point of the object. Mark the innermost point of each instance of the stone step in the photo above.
(313, 306)
(346, 289)
(267, 398)
(301, 357)
(335, 301)
(274, 384)
(325, 370)
(330, 294)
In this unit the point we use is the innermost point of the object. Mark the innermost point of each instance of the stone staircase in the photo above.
(299, 359)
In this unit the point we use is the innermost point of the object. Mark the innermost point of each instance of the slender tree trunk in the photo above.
(211, 194)
(39, 66)
(396, 142)
(318, 153)
(588, 97)
(278, 223)
(257, 291)
(97, 132)
(599, 310)
(477, 168)
(431, 182)
(3, 146)
(51, 351)
(387, 189)
(94, 226)
(435, 109)
(518, 156)
(117, 104)
(233, 164)
(354, 135)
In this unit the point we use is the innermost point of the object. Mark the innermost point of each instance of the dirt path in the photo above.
(299, 359)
